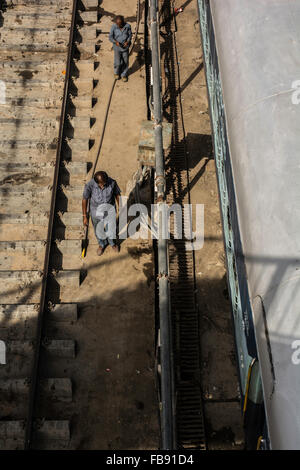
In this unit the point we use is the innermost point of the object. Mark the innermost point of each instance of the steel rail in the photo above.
(189, 427)
(41, 313)
(167, 421)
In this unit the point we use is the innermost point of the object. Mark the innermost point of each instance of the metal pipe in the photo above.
(157, 105)
(163, 271)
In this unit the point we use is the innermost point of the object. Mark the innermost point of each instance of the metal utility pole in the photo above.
(167, 420)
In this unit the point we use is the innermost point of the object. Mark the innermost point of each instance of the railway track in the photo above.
(190, 432)
(47, 51)
(47, 61)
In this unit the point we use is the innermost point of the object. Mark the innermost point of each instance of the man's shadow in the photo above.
(141, 193)
(139, 59)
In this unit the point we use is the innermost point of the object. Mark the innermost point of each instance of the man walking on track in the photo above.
(102, 192)
(120, 35)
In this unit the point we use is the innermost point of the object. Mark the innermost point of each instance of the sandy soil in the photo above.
(116, 396)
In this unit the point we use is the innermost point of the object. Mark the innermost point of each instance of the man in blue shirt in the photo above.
(102, 192)
(120, 35)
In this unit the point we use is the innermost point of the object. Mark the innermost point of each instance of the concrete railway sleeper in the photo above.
(47, 52)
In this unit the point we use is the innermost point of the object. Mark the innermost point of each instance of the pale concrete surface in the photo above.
(218, 364)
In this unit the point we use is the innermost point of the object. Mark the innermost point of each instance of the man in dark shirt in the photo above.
(102, 192)
(120, 35)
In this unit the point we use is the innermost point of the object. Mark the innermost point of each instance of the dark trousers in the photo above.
(121, 61)
(102, 242)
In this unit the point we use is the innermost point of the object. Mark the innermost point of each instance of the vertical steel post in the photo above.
(163, 277)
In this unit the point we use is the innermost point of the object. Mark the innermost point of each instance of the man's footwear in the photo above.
(100, 251)
(125, 79)
(115, 248)
(117, 77)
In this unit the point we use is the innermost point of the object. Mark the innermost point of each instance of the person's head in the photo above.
(101, 178)
(120, 21)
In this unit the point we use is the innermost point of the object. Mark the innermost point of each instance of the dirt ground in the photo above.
(116, 395)
(219, 370)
